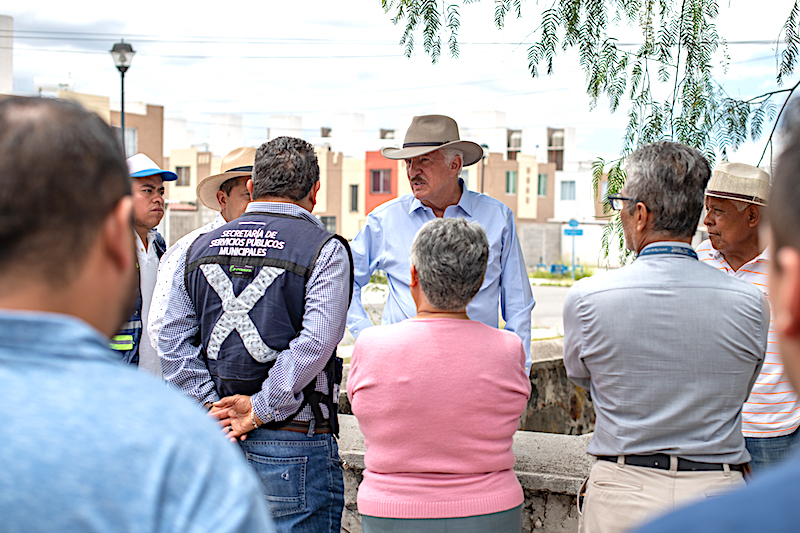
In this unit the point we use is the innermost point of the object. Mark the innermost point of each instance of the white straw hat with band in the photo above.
(738, 181)
(429, 133)
(236, 164)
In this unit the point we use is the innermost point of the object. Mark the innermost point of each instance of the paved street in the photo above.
(549, 302)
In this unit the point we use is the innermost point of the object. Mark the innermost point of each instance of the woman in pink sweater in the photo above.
(438, 398)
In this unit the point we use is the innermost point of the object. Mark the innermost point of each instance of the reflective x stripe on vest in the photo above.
(235, 311)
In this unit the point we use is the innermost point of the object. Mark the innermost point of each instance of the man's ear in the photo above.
(414, 277)
(641, 216)
(785, 288)
(312, 194)
(753, 215)
(249, 186)
(117, 234)
(221, 199)
(456, 163)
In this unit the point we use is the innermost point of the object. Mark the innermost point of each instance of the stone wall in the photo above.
(550, 468)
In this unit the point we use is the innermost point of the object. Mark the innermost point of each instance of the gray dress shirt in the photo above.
(670, 349)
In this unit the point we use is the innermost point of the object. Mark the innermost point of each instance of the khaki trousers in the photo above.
(620, 497)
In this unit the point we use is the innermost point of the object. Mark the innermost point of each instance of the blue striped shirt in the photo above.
(327, 293)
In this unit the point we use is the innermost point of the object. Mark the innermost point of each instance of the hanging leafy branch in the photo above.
(667, 81)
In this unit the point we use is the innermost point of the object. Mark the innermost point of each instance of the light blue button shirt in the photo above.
(91, 444)
(384, 244)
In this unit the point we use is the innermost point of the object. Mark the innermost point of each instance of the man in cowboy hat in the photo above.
(434, 156)
(735, 196)
(225, 192)
(148, 209)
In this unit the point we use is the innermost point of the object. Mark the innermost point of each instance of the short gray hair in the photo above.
(450, 153)
(450, 255)
(285, 167)
(670, 178)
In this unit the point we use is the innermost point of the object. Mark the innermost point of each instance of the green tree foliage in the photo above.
(667, 80)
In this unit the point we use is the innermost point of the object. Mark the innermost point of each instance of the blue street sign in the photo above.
(573, 232)
(573, 223)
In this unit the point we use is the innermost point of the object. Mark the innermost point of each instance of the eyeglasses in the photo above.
(616, 201)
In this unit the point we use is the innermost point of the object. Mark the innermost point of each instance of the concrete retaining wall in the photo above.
(550, 469)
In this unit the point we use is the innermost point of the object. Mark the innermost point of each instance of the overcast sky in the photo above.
(319, 57)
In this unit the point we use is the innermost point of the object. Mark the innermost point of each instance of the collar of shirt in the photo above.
(657, 244)
(44, 332)
(465, 202)
(151, 236)
(282, 208)
(763, 256)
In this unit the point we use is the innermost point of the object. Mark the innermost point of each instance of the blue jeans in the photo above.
(766, 452)
(302, 478)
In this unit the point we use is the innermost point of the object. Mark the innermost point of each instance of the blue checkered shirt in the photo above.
(326, 302)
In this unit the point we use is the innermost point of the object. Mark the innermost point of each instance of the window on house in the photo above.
(184, 176)
(542, 185)
(568, 190)
(556, 156)
(511, 182)
(353, 198)
(329, 223)
(381, 182)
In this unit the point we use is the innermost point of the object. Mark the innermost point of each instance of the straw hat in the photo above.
(141, 166)
(235, 164)
(738, 181)
(428, 133)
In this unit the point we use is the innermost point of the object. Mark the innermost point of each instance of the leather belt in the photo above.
(302, 427)
(662, 460)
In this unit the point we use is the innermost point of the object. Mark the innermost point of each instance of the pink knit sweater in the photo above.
(438, 401)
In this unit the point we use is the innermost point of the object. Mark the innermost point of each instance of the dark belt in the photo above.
(661, 461)
(302, 427)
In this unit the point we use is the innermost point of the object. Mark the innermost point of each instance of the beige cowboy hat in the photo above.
(429, 133)
(235, 164)
(738, 181)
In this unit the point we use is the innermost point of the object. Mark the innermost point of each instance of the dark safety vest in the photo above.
(247, 282)
(127, 339)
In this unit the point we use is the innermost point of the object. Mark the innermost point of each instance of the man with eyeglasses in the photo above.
(667, 395)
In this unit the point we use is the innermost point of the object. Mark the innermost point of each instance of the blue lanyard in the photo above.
(673, 250)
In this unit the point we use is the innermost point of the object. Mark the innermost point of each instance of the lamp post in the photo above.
(122, 53)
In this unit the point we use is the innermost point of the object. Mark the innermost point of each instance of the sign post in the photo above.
(573, 232)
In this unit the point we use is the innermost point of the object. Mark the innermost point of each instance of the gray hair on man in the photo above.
(450, 256)
(670, 179)
(450, 153)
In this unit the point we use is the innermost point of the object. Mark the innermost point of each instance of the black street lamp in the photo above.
(483, 162)
(122, 53)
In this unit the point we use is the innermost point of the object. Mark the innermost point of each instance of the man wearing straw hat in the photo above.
(148, 209)
(434, 156)
(225, 192)
(735, 196)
